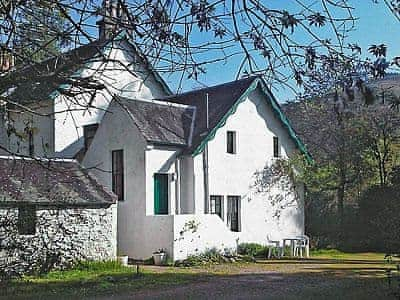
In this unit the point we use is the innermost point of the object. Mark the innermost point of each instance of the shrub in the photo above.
(209, 256)
(253, 249)
(379, 213)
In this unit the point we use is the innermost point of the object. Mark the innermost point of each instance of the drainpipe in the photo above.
(205, 167)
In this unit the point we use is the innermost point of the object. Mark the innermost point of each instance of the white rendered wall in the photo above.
(98, 160)
(160, 160)
(41, 121)
(127, 78)
(278, 212)
(187, 185)
(208, 232)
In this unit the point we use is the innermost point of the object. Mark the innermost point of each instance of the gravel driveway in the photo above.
(357, 280)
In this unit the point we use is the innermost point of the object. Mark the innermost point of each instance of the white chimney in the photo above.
(113, 16)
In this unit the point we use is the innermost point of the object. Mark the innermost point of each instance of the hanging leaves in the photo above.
(317, 20)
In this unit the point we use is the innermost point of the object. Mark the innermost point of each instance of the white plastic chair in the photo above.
(272, 245)
(302, 244)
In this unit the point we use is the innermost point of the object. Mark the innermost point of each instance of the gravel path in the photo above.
(297, 283)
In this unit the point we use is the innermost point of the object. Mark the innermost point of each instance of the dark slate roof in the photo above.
(161, 123)
(49, 182)
(38, 81)
(221, 99)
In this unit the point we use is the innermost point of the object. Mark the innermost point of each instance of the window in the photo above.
(217, 206)
(118, 173)
(276, 147)
(27, 220)
(233, 214)
(29, 131)
(88, 134)
(31, 143)
(231, 142)
(161, 193)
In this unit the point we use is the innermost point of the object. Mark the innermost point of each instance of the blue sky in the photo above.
(376, 25)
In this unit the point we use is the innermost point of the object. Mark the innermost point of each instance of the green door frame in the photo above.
(161, 192)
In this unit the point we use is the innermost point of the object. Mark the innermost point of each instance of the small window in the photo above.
(231, 142)
(217, 206)
(118, 173)
(29, 134)
(31, 143)
(27, 220)
(88, 134)
(276, 147)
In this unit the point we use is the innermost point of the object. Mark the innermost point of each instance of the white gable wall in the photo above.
(41, 120)
(233, 174)
(140, 232)
(125, 75)
(117, 131)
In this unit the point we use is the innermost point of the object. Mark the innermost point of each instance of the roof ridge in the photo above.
(157, 102)
(213, 86)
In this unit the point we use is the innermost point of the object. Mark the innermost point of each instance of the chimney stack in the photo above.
(7, 61)
(113, 16)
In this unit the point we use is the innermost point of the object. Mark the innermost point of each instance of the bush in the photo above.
(253, 249)
(210, 256)
(379, 209)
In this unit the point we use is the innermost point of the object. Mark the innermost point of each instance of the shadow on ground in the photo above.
(277, 279)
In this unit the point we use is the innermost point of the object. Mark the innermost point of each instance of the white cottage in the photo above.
(185, 167)
(186, 176)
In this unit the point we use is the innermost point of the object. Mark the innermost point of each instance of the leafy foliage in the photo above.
(210, 256)
(253, 249)
(379, 207)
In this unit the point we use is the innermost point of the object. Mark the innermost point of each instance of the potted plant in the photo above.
(122, 259)
(160, 257)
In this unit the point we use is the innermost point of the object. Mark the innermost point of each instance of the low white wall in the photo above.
(193, 234)
(157, 234)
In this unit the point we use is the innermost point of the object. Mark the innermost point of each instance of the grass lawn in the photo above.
(329, 274)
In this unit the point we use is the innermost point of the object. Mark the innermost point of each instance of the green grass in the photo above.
(89, 278)
(336, 254)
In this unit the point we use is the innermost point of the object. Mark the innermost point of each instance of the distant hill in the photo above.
(315, 120)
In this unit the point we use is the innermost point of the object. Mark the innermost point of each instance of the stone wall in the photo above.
(62, 237)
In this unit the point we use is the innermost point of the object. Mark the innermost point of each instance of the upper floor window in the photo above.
(27, 220)
(276, 147)
(31, 145)
(29, 131)
(231, 142)
(118, 173)
(88, 134)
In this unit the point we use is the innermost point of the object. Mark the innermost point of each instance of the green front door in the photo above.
(161, 194)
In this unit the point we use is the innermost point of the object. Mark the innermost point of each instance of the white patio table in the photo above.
(292, 241)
